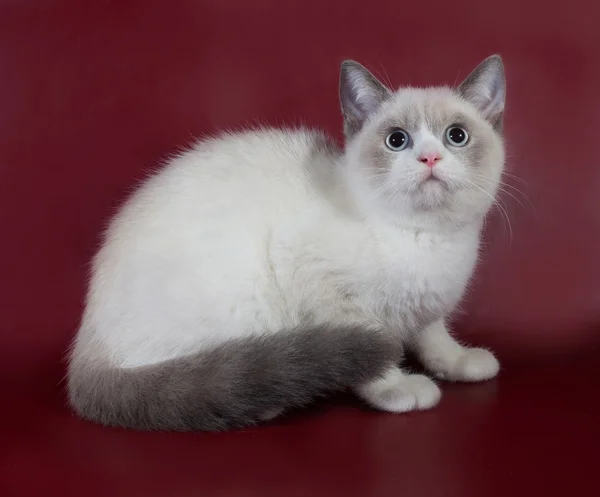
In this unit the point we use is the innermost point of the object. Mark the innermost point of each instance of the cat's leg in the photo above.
(397, 391)
(449, 360)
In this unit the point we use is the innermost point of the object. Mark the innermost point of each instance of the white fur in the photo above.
(234, 238)
(255, 232)
(449, 360)
(400, 392)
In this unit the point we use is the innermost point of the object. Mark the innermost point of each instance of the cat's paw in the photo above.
(397, 392)
(472, 365)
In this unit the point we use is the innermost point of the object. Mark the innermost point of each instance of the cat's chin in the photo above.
(432, 194)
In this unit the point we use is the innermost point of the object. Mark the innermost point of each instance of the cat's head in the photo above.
(425, 153)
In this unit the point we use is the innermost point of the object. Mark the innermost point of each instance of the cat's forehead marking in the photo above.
(434, 109)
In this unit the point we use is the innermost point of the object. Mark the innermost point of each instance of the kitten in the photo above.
(262, 269)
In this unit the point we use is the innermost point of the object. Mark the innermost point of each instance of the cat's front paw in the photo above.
(474, 364)
(398, 392)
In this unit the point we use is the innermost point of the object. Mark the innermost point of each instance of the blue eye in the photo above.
(397, 140)
(457, 136)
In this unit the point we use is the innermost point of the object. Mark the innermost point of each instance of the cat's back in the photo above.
(220, 175)
(282, 156)
(222, 194)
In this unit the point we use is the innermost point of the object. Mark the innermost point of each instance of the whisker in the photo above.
(374, 176)
(500, 206)
(502, 187)
(515, 177)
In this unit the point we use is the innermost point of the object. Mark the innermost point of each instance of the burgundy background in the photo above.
(94, 94)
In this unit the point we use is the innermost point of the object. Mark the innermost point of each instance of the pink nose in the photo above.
(429, 159)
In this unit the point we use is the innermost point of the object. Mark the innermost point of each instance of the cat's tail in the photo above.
(238, 383)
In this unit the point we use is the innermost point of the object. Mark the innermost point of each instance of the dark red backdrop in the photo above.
(93, 94)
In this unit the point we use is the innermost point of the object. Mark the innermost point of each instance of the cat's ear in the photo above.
(485, 88)
(360, 95)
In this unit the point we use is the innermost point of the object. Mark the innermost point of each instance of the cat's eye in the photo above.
(397, 140)
(457, 136)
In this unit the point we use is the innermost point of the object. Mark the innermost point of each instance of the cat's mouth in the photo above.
(433, 191)
(431, 179)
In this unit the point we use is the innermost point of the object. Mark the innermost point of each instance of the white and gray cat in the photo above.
(260, 270)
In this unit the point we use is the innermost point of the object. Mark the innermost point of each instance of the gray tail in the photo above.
(233, 385)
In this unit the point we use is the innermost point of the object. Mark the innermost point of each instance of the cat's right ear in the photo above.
(361, 94)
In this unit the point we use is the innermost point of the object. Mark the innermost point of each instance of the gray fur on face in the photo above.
(437, 113)
(361, 93)
(236, 384)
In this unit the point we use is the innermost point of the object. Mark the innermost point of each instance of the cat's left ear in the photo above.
(361, 94)
(485, 88)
